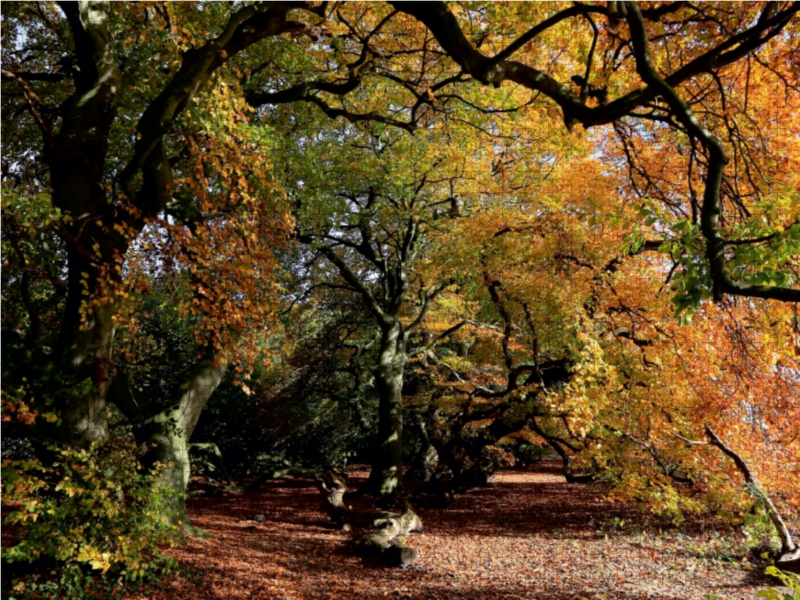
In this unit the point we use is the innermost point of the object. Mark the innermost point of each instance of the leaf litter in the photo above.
(528, 535)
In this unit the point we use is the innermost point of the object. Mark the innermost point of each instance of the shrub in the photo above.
(92, 511)
(758, 528)
(527, 454)
(790, 580)
(760, 532)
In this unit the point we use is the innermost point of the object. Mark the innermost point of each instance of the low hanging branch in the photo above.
(214, 449)
(444, 25)
(790, 552)
(787, 543)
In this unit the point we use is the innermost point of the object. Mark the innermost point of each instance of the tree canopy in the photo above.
(568, 225)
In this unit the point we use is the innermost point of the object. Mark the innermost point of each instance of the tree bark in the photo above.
(377, 545)
(76, 158)
(333, 486)
(386, 477)
(385, 525)
(424, 463)
(168, 433)
(86, 360)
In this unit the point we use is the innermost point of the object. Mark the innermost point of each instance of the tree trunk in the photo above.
(76, 159)
(385, 525)
(424, 463)
(169, 432)
(378, 545)
(85, 361)
(386, 477)
(465, 454)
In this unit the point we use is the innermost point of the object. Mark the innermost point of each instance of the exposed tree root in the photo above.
(387, 527)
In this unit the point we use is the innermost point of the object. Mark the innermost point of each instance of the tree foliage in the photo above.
(575, 225)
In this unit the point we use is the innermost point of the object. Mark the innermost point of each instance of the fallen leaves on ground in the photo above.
(528, 535)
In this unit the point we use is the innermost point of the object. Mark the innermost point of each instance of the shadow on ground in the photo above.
(528, 535)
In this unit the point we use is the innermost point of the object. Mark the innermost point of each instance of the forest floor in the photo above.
(529, 535)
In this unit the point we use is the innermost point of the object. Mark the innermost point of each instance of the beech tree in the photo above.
(134, 123)
(105, 196)
(366, 225)
(185, 143)
(579, 351)
(641, 80)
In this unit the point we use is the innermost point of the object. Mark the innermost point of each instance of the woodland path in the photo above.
(529, 535)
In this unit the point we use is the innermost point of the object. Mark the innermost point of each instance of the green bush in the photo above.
(527, 454)
(790, 580)
(758, 528)
(89, 511)
(760, 533)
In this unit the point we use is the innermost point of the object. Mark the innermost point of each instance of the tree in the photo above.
(579, 350)
(166, 145)
(128, 158)
(97, 229)
(650, 79)
(371, 225)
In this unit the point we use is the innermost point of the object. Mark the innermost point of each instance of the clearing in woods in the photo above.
(528, 535)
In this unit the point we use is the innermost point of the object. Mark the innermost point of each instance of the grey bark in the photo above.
(168, 434)
(333, 486)
(386, 477)
(386, 526)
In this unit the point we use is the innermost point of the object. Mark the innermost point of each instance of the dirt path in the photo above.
(530, 535)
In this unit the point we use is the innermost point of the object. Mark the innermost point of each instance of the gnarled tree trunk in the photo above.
(385, 526)
(168, 434)
(386, 476)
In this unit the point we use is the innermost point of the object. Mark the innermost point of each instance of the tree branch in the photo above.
(717, 159)
(787, 544)
(446, 333)
(351, 278)
(245, 27)
(34, 105)
(29, 76)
